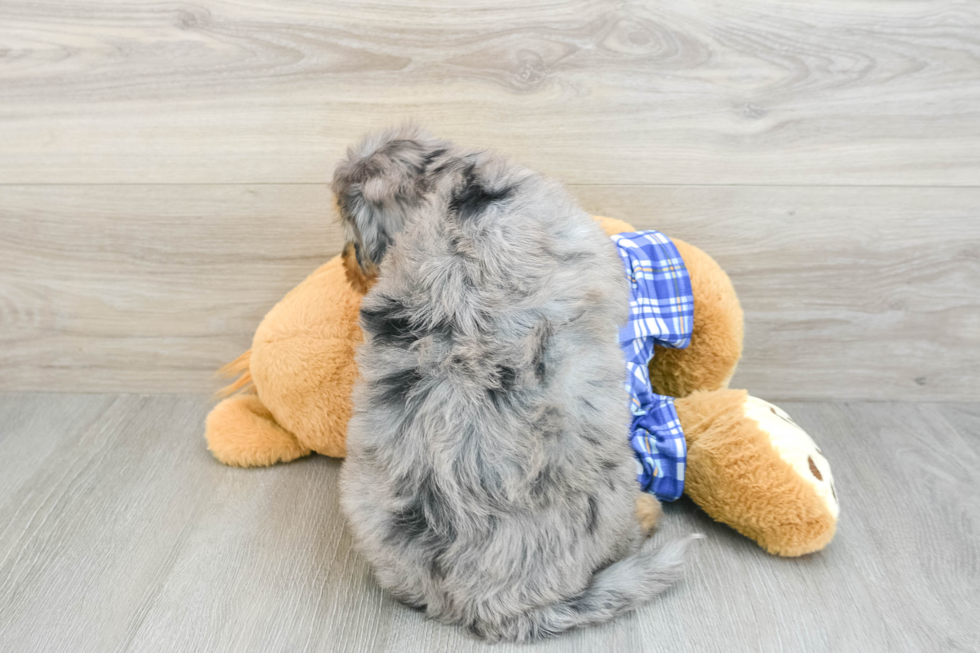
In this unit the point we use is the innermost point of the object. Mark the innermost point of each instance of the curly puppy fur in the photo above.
(488, 478)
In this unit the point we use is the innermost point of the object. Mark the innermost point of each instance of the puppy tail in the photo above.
(617, 589)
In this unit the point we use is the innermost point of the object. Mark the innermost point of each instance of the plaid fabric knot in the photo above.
(661, 312)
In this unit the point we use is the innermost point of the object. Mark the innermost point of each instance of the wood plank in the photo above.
(849, 293)
(591, 91)
(964, 418)
(909, 491)
(147, 288)
(123, 534)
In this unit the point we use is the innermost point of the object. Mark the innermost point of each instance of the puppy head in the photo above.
(383, 179)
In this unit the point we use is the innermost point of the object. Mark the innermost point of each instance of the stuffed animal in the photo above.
(748, 464)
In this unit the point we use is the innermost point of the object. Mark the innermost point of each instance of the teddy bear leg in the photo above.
(306, 382)
(751, 467)
(708, 363)
(648, 512)
(241, 432)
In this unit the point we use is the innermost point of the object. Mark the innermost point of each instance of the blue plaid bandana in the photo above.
(662, 313)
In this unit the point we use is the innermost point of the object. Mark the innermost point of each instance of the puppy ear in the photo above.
(383, 179)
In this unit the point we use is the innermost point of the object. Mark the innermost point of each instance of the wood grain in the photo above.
(162, 172)
(849, 293)
(147, 288)
(118, 532)
(591, 91)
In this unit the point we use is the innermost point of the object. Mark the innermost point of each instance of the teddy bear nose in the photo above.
(813, 468)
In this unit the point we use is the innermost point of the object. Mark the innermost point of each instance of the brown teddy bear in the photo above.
(748, 464)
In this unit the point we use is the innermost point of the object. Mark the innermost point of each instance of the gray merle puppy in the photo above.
(488, 478)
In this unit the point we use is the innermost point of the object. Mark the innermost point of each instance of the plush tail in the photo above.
(617, 589)
(239, 368)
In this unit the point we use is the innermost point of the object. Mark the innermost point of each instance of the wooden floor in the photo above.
(118, 532)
